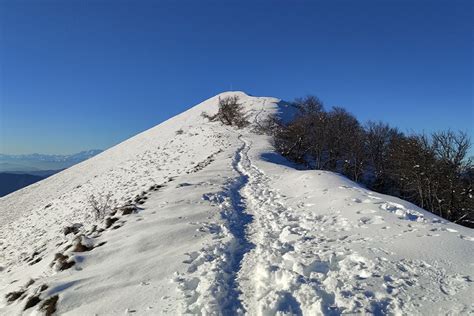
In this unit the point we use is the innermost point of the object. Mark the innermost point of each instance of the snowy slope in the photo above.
(224, 226)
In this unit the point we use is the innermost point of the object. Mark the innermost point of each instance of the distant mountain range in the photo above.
(18, 171)
(40, 162)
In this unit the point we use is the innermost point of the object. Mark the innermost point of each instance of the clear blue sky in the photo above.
(88, 74)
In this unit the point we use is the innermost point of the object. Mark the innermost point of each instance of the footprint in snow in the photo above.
(192, 256)
(366, 211)
(444, 229)
(451, 285)
(469, 238)
(371, 220)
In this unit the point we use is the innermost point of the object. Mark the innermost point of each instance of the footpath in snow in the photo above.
(217, 223)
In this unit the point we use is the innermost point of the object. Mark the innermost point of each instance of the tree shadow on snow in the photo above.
(286, 111)
(278, 159)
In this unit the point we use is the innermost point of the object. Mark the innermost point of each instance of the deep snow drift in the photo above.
(220, 224)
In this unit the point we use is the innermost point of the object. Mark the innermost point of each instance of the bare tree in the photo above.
(309, 105)
(343, 130)
(355, 154)
(451, 151)
(379, 137)
(292, 140)
(451, 147)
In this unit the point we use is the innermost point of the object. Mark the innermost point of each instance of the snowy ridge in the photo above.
(219, 224)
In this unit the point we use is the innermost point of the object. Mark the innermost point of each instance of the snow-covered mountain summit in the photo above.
(216, 223)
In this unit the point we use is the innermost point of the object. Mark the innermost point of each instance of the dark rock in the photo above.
(101, 244)
(13, 296)
(128, 209)
(73, 229)
(93, 229)
(49, 305)
(109, 221)
(30, 282)
(80, 247)
(32, 301)
(35, 261)
(62, 262)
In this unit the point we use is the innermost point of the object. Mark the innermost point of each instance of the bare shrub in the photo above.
(230, 112)
(101, 205)
(109, 221)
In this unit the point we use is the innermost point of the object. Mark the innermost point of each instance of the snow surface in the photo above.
(226, 227)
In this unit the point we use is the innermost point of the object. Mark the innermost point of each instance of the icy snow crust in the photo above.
(229, 228)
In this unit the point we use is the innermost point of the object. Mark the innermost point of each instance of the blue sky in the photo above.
(77, 75)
